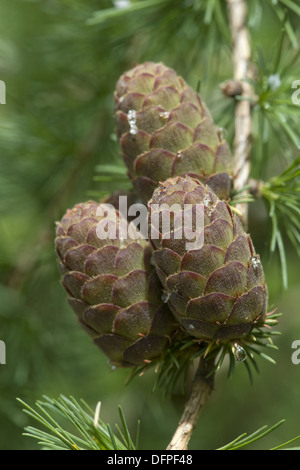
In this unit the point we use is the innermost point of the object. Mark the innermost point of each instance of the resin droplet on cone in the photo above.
(112, 287)
(165, 130)
(218, 291)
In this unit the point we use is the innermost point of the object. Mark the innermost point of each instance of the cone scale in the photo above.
(217, 292)
(113, 288)
(165, 130)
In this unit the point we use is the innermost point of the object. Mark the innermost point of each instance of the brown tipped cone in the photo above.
(218, 290)
(112, 285)
(165, 130)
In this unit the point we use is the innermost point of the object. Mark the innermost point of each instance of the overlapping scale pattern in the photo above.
(165, 130)
(113, 287)
(218, 290)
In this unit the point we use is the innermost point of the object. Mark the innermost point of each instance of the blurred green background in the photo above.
(57, 125)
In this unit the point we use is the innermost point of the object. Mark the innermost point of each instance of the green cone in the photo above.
(217, 291)
(112, 287)
(165, 130)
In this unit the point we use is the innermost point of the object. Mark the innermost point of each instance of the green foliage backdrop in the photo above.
(60, 61)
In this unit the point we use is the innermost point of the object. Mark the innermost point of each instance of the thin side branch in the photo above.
(201, 389)
(237, 12)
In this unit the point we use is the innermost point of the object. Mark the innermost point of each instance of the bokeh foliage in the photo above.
(60, 61)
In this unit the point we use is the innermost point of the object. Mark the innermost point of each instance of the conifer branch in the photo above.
(237, 12)
(203, 384)
(201, 389)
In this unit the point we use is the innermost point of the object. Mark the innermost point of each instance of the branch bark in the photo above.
(201, 389)
(237, 12)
